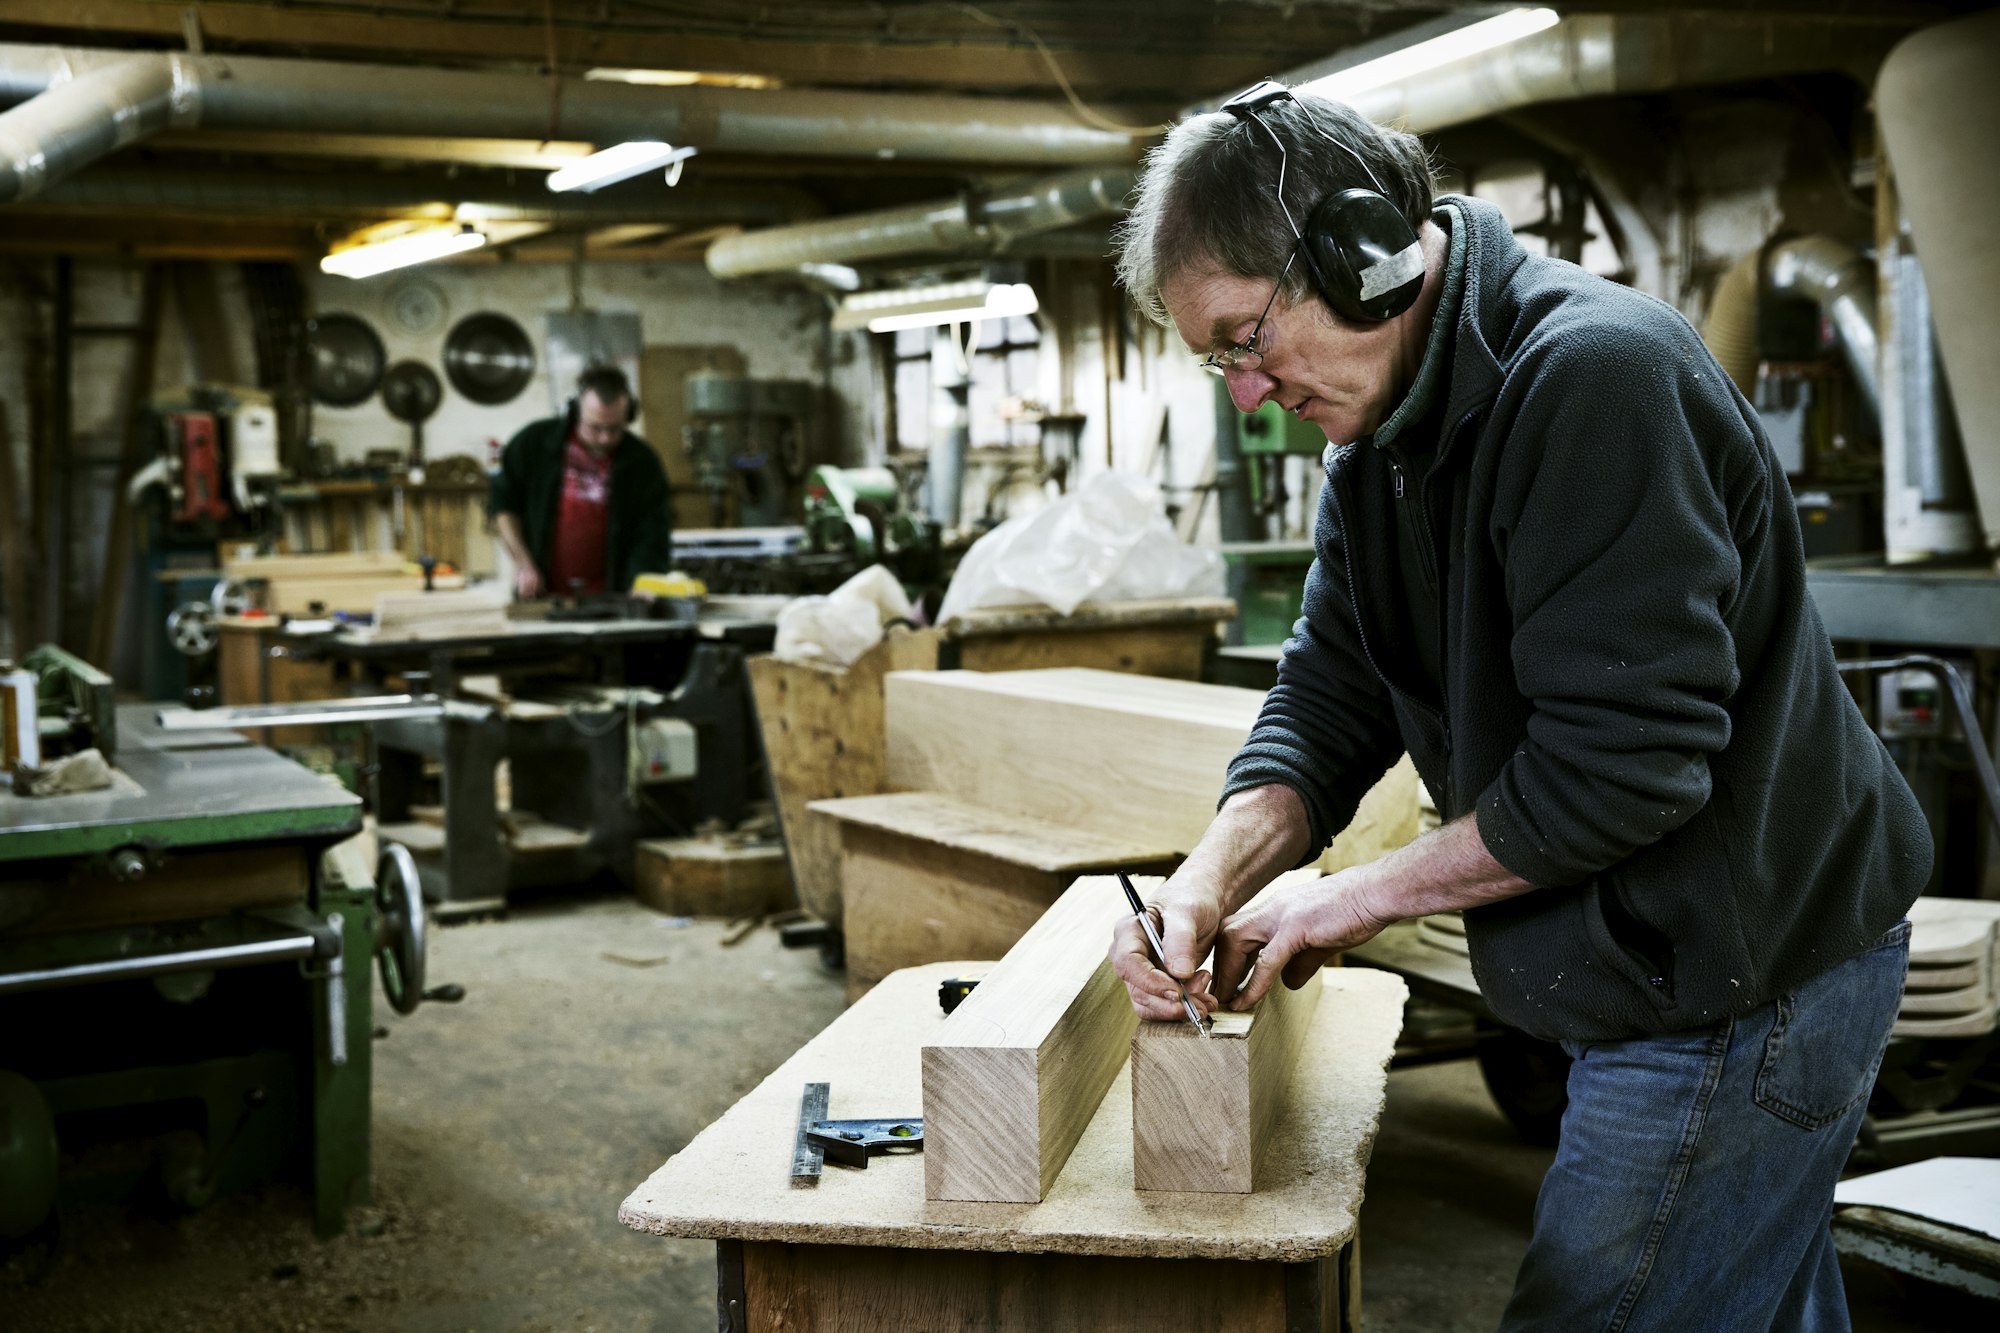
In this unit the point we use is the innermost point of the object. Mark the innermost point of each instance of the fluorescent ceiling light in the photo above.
(679, 78)
(415, 247)
(621, 162)
(921, 307)
(1455, 45)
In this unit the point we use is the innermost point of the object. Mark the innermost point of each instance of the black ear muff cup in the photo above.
(1363, 256)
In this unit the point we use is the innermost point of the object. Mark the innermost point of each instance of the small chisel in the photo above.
(1159, 949)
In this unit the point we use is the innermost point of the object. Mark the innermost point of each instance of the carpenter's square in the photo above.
(1159, 949)
(846, 1142)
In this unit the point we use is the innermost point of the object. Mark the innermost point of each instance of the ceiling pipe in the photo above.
(1605, 55)
(348, 193)
(87, 114)
(946, 226)
(1582, 56)
(1835, 275)
(109, 98)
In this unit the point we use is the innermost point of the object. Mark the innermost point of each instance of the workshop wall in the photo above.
(781, 332)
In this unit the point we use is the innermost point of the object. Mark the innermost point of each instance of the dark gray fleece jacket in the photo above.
(1640, 705)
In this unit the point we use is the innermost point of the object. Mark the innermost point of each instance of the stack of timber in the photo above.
(1017, 1071)
(1953, 986)
(1129, 756)
(352, 581)
(1204, 1106)
(927, 876)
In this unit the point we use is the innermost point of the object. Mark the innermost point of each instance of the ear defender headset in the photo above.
(1359, 250)
(607, 382)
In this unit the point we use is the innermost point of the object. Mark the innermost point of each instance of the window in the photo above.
(1005, 367)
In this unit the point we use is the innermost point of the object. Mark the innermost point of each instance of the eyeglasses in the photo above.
(1249, 354)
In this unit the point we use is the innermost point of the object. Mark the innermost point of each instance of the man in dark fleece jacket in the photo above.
(1558, 563)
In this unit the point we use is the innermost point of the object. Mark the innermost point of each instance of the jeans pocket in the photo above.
(1827, 1037)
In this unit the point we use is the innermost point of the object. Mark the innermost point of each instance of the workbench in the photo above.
(570, 765)
(865, 1250)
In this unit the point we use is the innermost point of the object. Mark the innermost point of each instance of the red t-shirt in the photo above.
(582, 520)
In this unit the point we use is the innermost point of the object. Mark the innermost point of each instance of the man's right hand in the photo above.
(527, 581)
(1188, 911)
(1257, 833)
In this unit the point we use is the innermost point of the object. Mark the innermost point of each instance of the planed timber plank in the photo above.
(1019, 1068)
(1204, 1107)
(1101, 750)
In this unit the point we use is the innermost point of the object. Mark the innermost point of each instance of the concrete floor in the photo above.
(595, 1040)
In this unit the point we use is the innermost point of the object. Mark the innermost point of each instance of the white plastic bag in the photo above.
(1106, 541)
(826, 629)
(838, 628)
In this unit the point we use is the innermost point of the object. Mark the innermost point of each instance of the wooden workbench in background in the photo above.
(865, 1251)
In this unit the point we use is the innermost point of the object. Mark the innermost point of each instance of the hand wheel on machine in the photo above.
(399, 928)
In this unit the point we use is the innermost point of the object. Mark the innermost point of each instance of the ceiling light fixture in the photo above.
(679, 78)
(368, 258)
(621, 162)
(947, 303)
(1345, 85)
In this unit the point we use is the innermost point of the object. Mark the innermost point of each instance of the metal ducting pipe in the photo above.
(1843, 283)
(1730, 329)
(1602, 55)
(1818, 268)
(324, 97)
(1583, 56)
(86, 115)
(947, 226)
(1939, 106)
(338, 194)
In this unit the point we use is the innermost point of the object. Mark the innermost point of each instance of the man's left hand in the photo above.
(1293, 933)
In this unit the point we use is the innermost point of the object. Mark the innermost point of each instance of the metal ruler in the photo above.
(808, 1157)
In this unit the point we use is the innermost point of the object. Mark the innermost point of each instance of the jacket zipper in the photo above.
(1354, 600)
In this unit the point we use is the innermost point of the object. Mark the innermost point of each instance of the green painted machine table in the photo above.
(185, 965)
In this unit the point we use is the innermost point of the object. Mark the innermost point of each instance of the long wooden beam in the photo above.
(1018, 1070)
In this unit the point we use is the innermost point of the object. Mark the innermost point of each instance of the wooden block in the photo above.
(708, 877)
(1203, 1107)
(1015, 1073)
(423, 615)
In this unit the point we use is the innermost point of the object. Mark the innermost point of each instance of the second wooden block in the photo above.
(1204, 1107)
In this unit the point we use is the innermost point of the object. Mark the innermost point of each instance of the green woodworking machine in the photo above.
(185, 995)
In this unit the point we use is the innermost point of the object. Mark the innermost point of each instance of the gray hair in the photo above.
(1207, 198)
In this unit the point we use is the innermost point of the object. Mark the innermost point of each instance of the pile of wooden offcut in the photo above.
(1953, 989)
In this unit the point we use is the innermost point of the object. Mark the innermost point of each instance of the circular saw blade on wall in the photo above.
(347, 359)
(411, 392)
(488, 358)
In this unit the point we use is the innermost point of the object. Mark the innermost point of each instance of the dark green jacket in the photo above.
(641, 522)
(1639, 703)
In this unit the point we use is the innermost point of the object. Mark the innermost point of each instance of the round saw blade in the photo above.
(488, 358)
(347, 359)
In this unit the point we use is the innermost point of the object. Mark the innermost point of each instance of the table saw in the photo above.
(185, 986)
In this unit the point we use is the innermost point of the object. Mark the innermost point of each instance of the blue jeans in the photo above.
(1693, 1186)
